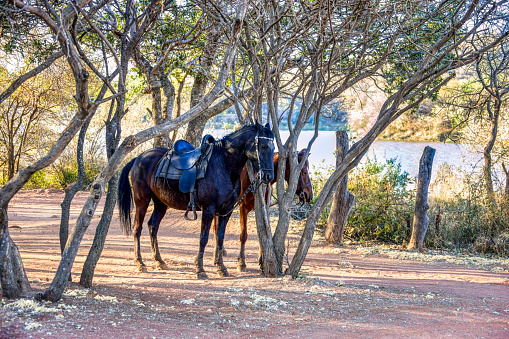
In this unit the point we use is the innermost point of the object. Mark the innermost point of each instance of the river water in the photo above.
(406, 153)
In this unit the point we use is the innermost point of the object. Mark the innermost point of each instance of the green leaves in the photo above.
(384, 202)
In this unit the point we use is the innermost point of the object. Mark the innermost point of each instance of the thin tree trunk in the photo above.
(71, 192)
(113, 134)
(343, 200)
(506, 190)
(87, 274)
(10, 161)
(487, 153)
(169, 102)
(196, 126)
(421, 219)
(268, 260)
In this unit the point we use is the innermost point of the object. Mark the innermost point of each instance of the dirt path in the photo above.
(343, 292)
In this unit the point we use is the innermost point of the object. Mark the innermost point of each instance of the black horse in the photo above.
(216, 193)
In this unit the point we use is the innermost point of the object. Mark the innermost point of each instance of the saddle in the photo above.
(186, 164)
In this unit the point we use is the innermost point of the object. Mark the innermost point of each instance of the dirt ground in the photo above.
(350, 291)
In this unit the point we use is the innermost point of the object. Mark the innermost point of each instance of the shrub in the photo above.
(461, 216)
(384, 202)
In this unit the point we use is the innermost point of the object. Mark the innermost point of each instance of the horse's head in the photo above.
(304, 186)
(260, 151)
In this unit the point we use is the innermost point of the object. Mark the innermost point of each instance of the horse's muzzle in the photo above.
(267, 177)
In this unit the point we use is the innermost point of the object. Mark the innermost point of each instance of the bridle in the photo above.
(302, 186)
(256, 146)
(255, 184)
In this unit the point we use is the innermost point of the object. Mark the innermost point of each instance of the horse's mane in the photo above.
(221, 143)
(239, 132)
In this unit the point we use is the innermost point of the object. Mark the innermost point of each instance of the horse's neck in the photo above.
(234, 159)
(276, 164)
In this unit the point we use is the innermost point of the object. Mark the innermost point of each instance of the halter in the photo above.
(261, 170)
(302, 186)
(255, 184)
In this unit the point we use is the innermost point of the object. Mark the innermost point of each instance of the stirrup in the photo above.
(191, 207)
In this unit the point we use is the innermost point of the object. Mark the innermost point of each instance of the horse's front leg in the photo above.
(218, 250)
(206, 221)
(153, 226)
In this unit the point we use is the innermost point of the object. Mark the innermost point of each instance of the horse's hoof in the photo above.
(224, 252)
(223, 273)
(142, 269)
(202, 276)
(162, 266)
(241, 268)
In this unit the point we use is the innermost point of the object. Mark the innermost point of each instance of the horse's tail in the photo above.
(124, 198)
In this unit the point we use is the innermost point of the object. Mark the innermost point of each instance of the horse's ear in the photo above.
(267, 125)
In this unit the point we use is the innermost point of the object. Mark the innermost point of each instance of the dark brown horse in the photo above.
(217, 192)
(304, 192)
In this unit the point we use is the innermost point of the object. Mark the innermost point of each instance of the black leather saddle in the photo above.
(186, 164)
(184, 158)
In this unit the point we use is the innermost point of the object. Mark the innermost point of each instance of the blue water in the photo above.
(407, 154)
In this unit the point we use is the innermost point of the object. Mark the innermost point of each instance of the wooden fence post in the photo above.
(343, 200)
(421, 219)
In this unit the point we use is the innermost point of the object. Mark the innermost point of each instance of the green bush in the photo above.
(319, 177)
(461, 216)
(67, 174)
(61, 176)
(384, 202)
(38, 180)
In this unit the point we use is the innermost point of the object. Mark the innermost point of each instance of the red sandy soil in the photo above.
(343, 291)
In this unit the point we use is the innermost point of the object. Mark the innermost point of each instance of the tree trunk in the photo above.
(196, 126)
(493, 118)
(54, 292)
(87, 274)
(343, 200)
(268, 262)
(506, 190)
(12, 273)
(113, 134)
(10, 160)
(421, 219)
(71, 192)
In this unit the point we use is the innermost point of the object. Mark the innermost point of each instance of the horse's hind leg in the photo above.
(243, 211)
(141, 210)
(153, 226)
